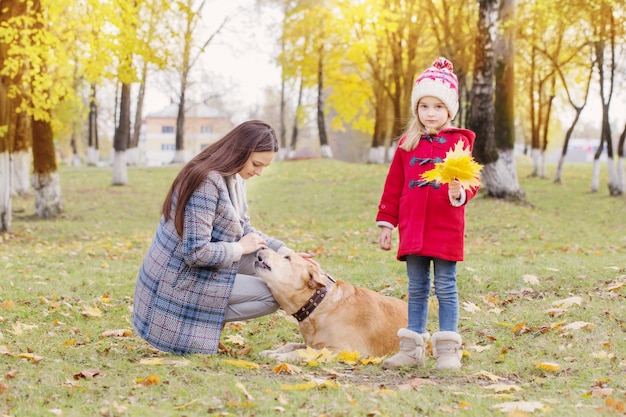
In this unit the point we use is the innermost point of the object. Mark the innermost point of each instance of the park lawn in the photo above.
(542, 293)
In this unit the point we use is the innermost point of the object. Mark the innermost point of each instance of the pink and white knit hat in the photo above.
(437, 81)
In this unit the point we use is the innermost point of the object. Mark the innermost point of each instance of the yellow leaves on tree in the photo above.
(458, 164)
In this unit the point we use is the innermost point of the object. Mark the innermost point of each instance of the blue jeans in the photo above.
(418, 270)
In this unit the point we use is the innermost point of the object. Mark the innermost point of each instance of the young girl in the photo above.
(198, 272)
(430, 217)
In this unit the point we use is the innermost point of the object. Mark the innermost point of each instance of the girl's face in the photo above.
(432, 113)
(256, 163)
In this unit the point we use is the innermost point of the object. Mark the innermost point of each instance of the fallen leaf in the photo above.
(547, 366)
(148, 380)
(567, 302)
(526, 406)
(530, 279)
(298, 387)
(32, 357)
(555, 312)
(470, 307)
(116, 333)
(244, 390)
(286, 368)
(235, 339)
(87, 374)
(601, 392)
(499, 388)
(578, 325)
(488, 375)
(312, 356)
(348, 357)
(370, 361)
(242, 364)
(91, 312)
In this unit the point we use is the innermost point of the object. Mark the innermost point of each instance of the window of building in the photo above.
(205, 129)
(167, 129)
(168, 146)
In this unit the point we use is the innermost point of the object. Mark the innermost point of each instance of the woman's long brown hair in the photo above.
(226, 156)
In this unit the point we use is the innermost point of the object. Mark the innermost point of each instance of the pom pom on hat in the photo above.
(437, 81)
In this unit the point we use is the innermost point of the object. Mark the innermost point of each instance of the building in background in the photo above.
(203, 126)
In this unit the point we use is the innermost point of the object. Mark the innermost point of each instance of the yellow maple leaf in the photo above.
(371, 361)
(348, 357)
(298, 387)
(458, 164)
(242, 364)
(312, 356)
(286, 368)
(148, 380)
(548, 366)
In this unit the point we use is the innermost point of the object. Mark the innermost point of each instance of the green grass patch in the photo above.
(67, 284)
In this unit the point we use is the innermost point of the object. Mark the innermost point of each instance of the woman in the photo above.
(198, 271)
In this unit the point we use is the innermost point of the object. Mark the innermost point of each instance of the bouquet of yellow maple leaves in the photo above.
(458, 164)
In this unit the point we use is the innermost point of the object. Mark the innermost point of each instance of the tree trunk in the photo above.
(45, 178)
(21, 154)
(377, 149)
(495, 152)
(122, 138)
(132, 157)
(325, 149)
(6, 133)
(92, 135)
(621, 180)
(294, 131)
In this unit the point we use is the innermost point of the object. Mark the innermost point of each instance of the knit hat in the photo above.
(437, 81)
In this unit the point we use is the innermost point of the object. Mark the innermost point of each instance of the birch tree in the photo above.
(494, 151)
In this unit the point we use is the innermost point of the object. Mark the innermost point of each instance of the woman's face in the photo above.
(432, 113)
(256, 163)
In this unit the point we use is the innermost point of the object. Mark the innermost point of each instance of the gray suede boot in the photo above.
(447, 350)
(411, 352)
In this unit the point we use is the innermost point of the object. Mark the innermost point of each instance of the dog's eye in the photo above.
(288, 258)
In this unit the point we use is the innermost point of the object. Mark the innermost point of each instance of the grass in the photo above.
(65, 282)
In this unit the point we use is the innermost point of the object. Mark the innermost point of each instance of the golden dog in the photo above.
(332, 314)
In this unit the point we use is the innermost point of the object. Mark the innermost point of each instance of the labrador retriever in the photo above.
(331, 314)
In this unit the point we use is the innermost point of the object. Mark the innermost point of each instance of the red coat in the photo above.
(428, 224)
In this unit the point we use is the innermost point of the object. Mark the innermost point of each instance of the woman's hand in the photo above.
(252, 242)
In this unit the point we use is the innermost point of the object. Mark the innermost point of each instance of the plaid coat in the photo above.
(183, 285)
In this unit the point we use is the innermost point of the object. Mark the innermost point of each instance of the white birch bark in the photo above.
(132, 156)
(120, 170)
(595, 176)
(534, 155)
(326, 151)
(376, 155)
(5, 192)
(613, 181)
(47, 189)
(179, 157)
(620, 175)
(20, 171)
(93, 157)
(500, 177)
(558, 174)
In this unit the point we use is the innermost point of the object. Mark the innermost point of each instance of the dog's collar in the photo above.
(314, 301)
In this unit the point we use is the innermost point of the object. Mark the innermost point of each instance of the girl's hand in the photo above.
(385, 238)
(252, 242)
(454, 188)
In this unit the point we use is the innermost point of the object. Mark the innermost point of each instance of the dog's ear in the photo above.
(316, 278)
